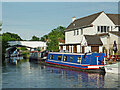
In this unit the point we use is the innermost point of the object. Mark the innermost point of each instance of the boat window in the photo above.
(65, 58)
(51, 56)
(59, 57)
(71, 58)
(79, 59)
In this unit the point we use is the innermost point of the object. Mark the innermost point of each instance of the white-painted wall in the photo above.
(72, 48)
(100, 49)
(115, 28)
(102, 20)
(64, 47)
(84, 42)
(89, 31)
(104, 40)
(78, 48)
(70, 38)
(87, 49)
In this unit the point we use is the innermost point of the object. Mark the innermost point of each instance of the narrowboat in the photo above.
(93, 62)
(37, 55)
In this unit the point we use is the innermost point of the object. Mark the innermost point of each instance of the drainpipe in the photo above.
(108, 38)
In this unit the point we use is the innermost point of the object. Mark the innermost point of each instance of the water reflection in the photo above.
(27, 74)
(78, 79)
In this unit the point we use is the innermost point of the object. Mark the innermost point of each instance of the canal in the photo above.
(26, 74)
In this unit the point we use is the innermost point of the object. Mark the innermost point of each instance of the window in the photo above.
(108, 28)
(71, 58)
(119, 28)
(65, 58)
(104, 28)
(101, 28)
(81, 31)
(77, 32)
(51, 56)
(98, 28)
(59, 57)
(79, 60)
(74, 32)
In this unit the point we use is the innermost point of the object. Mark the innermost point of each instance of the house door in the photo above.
(95, 48)
(67, 47)
(61, 47)
(83, 48)
(75, 49)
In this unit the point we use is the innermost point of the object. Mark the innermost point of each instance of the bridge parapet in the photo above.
(33, 44)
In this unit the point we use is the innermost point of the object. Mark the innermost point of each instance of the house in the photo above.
(92, 33)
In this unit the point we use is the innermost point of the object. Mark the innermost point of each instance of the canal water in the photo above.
(26, 74)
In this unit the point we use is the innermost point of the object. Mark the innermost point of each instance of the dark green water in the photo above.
(34, 75)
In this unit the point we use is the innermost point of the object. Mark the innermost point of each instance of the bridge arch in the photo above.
(28, 44)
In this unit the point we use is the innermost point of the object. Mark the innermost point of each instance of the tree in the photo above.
(53, 38)
(34, 38)
(44, 38)
(4, 38)
(11, 37)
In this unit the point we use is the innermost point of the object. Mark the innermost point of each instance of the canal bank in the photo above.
(35, 75)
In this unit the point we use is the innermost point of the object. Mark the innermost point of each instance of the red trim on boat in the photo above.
(71, 66)
(97, 56)
(92, 65)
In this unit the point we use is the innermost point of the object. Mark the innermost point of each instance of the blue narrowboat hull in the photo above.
(100, 70)
(91, 62)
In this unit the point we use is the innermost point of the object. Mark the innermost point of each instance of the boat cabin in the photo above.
(38, 55)
(82, 59)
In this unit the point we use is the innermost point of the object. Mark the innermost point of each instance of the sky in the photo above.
(39, 18)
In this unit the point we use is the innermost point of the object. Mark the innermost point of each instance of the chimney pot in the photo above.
(73, 19)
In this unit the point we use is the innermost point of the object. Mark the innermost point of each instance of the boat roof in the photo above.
(69, 53)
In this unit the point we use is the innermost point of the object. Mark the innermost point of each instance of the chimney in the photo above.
(73, 19)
